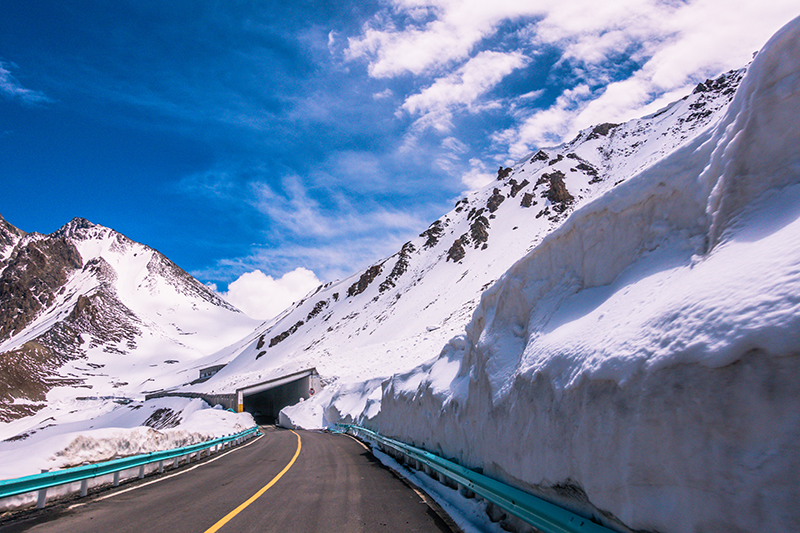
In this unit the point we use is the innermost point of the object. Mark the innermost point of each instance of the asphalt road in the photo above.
(334, 484)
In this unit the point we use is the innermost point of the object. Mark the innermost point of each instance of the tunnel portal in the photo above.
(265, 400)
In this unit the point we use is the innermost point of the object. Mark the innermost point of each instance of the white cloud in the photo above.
(11, 88)
(669, 46)
(461, 89)
(431, 44)
(477, 176)
(298, 213)
(264, 297)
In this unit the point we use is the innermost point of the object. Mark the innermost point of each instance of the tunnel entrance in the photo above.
(265, 400)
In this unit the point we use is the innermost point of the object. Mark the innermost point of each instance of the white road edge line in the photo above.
(117, 493)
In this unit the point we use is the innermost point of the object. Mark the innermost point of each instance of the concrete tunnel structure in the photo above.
(266, 399)
(263, 400)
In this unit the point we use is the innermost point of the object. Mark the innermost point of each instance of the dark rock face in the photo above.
(29, 282)
(601, 130)
(540, 156)
(456, 252)
(477, 231)
(9, 236)
(399, 269)
(558, 193)
(495, 200)
(366, 278)
(516, 187)
(317, 309)
(432, 234)
(587, 169)
(527, 200)
(503, 173)
(285, 335)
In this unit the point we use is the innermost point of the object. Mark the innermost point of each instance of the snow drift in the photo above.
(640, 364)
(101, 433)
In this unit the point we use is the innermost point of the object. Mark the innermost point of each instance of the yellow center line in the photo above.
(258, 494)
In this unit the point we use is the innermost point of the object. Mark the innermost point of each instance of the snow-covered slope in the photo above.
(398, 312)
(640, 364)
(85, 313)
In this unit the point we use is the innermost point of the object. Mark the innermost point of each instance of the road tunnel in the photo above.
(265, 400)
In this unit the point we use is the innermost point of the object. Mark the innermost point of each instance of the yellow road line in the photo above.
(258, 494)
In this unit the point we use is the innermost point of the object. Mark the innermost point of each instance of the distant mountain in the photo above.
(87, 312)
(400, 311)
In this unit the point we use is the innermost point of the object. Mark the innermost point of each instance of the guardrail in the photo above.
(41, 482)
(539, 513)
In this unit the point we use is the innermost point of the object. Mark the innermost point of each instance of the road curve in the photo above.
(334, 484)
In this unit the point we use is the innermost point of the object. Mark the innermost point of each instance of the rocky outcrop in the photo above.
(527, 200)
(516, 187)
(495, 200)
(478, 231)
(366, 278)
(30, 280)
(558, 193)
(317, 309)
(456, 252)
(503, 173)
(399, 268)
(432, 234)
(540, 156)
(601, 130)
(274, 341)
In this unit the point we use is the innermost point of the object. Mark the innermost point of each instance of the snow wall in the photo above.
(641, 364)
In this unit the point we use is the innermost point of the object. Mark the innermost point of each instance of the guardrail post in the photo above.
(175, 462)
(141, 472)
(40, 501)
(116, 479)
(161, 467)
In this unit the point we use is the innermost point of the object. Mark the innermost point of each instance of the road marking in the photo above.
(258, 494)
(358, 441)
(162, 478)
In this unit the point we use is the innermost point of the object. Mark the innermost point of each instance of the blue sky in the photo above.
(243, 135)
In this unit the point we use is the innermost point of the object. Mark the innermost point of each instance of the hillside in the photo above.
(400, 311)
(639, 365)
(87, 313)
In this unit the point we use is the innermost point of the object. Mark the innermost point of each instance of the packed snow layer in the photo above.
(640, 363)
(101, 431)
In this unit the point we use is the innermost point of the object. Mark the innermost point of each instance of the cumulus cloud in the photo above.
(11, 88)
(262, 296)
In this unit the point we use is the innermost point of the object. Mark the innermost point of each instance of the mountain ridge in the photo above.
(85, 290)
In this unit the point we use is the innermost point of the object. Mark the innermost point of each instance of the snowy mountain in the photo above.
(87, 313)
(400, 311)
(640, 364)
(613, 324)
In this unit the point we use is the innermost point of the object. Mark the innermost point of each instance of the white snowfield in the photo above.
(641, 362)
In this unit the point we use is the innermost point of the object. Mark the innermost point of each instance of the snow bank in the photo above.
(640, 364)
(132, 429)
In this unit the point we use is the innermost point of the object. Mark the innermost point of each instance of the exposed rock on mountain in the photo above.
(81, 307)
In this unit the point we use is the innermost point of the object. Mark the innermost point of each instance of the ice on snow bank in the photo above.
(643, 359)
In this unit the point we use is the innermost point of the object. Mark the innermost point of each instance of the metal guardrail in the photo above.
(41, 482)
(539, 513)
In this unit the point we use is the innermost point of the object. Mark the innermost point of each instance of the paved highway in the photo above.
(284, 481)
